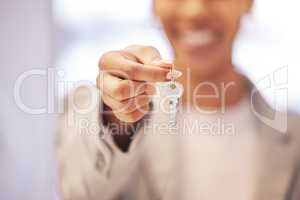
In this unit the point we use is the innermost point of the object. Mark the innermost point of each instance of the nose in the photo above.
(195, 10)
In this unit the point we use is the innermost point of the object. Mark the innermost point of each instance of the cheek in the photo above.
(169, 28)
(166, 12)
(232, 18)
(231, 25)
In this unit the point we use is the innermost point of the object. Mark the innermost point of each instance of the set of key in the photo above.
(173, 92)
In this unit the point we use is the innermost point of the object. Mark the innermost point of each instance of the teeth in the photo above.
(198, 38)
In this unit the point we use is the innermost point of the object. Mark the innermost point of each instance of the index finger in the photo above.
(128, 67)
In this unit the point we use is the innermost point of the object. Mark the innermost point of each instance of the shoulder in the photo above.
(83, 97)
(293, 126)
(81, 113)
(293, 120)
(82, 103)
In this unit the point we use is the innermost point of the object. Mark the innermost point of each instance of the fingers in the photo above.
(150, 73)
(139, 64)
(143, 54)
(121, 89)
(126, 80)
(126, 106)
(133, 116)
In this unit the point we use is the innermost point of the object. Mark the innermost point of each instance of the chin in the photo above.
(204, 72)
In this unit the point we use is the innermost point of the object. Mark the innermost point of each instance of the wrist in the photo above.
(122, 132)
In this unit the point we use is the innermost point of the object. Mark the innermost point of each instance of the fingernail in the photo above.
(173, 74)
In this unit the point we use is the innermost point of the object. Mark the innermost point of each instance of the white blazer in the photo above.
(92, 167)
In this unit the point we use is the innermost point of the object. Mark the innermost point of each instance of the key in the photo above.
(171, 92)
(174, 93)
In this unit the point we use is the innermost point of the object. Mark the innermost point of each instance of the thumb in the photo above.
(148, 55)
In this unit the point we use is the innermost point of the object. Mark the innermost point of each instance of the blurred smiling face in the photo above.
(202, 32)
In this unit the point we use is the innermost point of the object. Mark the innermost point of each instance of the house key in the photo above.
(174, 91)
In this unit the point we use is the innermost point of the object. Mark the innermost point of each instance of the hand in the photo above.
(126, 80)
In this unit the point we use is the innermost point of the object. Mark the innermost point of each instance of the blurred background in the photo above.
(268, 41)
(71, 36)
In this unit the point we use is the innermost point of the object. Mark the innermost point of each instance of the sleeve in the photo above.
(90, 165)
(293, 192)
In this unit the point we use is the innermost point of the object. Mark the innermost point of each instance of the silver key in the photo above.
(175, 91)
(171, 91)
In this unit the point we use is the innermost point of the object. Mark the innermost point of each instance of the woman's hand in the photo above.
(126, 80)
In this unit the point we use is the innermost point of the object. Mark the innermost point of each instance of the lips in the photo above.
(198, 39)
